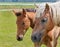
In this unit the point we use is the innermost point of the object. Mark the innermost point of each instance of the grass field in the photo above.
(15, 6)
(8, 32)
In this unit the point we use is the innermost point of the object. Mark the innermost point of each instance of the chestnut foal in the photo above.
(25, 19)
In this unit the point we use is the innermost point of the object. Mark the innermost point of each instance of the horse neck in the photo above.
(31, 16)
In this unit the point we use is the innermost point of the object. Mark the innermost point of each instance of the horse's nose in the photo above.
(36, 37)
(19, 38)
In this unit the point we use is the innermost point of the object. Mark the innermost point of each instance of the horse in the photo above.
(50, 40)
(46, 19)
(25, 19)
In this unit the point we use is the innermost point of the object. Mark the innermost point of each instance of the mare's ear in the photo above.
(17, 13)
(36, 5)
(47, 7)
(24, 12)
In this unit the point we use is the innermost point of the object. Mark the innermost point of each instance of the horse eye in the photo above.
(23, 23)
(44, 20)
(18, 14)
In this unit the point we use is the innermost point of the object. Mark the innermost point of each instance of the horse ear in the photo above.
(47, 7)
(36, 5)
(16, 12)
(24, 12)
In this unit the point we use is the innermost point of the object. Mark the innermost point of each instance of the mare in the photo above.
(47, 25)
(25, 19)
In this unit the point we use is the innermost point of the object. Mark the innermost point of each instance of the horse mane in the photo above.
(56, 11)
(30, 10)
(41, 8)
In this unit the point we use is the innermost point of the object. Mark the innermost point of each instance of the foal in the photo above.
(25, 19)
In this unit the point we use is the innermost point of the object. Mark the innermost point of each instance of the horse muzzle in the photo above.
(36, 37)
(20, 37)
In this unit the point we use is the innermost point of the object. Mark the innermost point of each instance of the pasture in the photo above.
(8, 32)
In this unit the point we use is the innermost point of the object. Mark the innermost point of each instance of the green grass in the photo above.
(8, 32)
(15, 6)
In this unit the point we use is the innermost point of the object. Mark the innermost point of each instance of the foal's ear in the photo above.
(47, 7)
(24, 12)
(17, 13)
(14, 11)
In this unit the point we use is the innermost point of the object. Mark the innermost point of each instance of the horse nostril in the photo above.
(19, 39)
(34, 38)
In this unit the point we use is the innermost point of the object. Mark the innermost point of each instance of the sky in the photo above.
(30, 0)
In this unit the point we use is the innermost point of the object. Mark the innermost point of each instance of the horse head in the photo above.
(43, 23)
(23, 23)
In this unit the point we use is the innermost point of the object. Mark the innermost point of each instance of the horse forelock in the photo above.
(39, 11)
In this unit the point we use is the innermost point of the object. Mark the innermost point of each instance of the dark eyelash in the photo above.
(18, 14)
(43, 20)
(23, 23)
